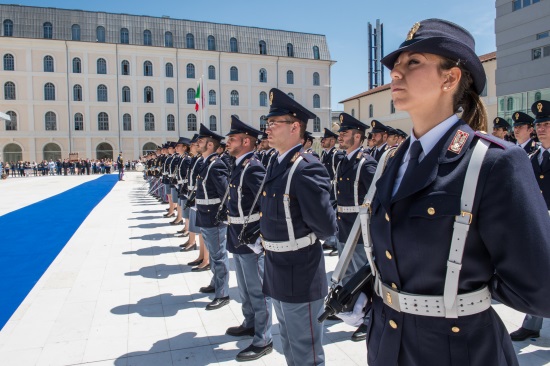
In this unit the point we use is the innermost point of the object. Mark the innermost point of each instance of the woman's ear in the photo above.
(452, 78)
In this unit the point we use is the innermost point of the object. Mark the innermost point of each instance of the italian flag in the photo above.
(198, 98)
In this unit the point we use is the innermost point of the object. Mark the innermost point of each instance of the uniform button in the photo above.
(348, 178)
(541, 177)
(455, 329)
(228, 198)
(431, 211)
(393, 324)
(338, 192)
(338, 217)
(388, 255)
(387, 217)
(264, 193)
(273, 194)
(340, 178)
(394, 286)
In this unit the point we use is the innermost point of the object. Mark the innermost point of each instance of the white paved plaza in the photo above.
(120, 293)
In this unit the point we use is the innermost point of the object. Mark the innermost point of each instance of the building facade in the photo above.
(522, 30)
(377, 103)
(95, 83)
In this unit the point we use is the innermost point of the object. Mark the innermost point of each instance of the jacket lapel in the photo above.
(384, 186)
(276, 170)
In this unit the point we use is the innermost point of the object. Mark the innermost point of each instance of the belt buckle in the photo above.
(390, 298)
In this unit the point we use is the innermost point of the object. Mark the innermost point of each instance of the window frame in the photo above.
(149, 121)
(147, 38)
(124, 36)
(102, 121)
(234, 98)
(10, 91)
(50, 118)
(49, 91)
(101, 66)
(77, 93)
(78, 122)
(102, 93)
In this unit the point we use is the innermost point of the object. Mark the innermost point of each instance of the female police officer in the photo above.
(434, 278)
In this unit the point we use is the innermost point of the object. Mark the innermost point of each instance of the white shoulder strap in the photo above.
(240, 191)
(206, 177)
(286, 200)
(356, 183)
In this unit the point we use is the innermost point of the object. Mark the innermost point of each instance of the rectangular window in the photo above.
(542, 35)
(526, 3)
(546, 51)
(537, 53)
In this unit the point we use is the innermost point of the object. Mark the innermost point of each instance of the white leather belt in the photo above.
(171, 175)
(203, 202)
(290, 246)
(190, 188)
(348, 209)
(240, 221)
(164, 173)
(180, 181)
(467, 304)
(184, 181)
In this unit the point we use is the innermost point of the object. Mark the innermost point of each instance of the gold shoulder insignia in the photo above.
(458, 142)
(246, 162)
(295, 157)
(359, 155)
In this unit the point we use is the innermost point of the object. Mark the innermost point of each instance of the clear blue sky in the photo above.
(343, 22)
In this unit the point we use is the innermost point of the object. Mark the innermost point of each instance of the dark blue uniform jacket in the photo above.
(216, 184)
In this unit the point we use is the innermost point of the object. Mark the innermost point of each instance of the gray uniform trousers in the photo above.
(215, 241)
(301, 333)
(532, 322)
(256, 307)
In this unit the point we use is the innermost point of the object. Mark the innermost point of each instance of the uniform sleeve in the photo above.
(312, 188)
(220, 178)
(515, 227)
(367, 172)
(254, 177)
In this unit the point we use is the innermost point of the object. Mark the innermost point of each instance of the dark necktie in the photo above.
(414, 153)
(545, 165)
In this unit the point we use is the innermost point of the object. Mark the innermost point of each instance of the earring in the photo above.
(445, 88)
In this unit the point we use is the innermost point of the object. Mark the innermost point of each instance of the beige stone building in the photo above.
(97, 83)
(377, 103)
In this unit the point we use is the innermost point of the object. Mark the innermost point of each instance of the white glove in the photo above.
(256, 247)
(355, 317)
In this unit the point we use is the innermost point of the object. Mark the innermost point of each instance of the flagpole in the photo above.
(202, 100)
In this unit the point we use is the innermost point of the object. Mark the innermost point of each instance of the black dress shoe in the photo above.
(334, 253)
(218, 303)
(207, 290)
(187, 249)
(201, 269)
(360, 334)
(327, 247)
(196, 262)
(253, 352)
(240, 331)
(522, 334)
(176, 222)
(169, 215)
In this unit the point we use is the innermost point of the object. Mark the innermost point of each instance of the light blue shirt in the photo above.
(353, 152)
(428, 142)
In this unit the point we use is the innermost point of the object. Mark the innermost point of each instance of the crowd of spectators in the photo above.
(60, 167)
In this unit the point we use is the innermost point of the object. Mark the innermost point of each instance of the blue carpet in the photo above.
(33, 236)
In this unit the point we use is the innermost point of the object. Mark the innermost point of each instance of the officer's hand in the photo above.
(355, 317)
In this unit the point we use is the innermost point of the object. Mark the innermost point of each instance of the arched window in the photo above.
(233, 45)
(48, 30)
(13, 152)
(50, 121)
(9, 91)
(538, 96)
(316, 52)
(263, 99)
(104, 151)
(77, 93)
(124, 36)
(190, 71)
(316, 79)
(147, 68)
(102, 93)
(168, 39)
(291, 95)
(234, 97)
(100, 34)
(75, 32)
(211, 72)
(149, 147)
(170, 123)
(48, 64)
(11, 125)
(127, 122)
(148, 96)
(9, 62)
(103, 121)
(501, 104)
(126, 97)
(353, 112)
(125, 67)
(213, 123)
(263, 76)
(101, 66)
(392, 107)
(317, 124)
(371, 111)
(289, 50)
(212, 97)
(191, 122)
(78, 122)
(510, 103)
(77, 65)
(169, 69)
(211, 43)
(263, 48)
(316, 101)
(289, 77)
(190, 96)
(49, 91)
(8, 28)
(51, 151)
(149, 122)
(263, 123)
(170, 96)
(147, 38)
(234, 73)
(190, 40)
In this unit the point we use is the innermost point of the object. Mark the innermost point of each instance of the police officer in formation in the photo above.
(245, 183)
(265, 153)
(523, 131)
(500, 128)
(379, 139)
(296, 214)
(541, 167)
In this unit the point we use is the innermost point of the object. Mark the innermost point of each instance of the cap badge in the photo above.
(517, 116)
(458, 142)
(373, 124)
(413, 30)
(498, 120)
(342, 118)
(539, 107)
(271, 98)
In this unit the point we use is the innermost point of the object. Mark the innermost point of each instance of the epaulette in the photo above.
(495, 140)
(393, 151)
